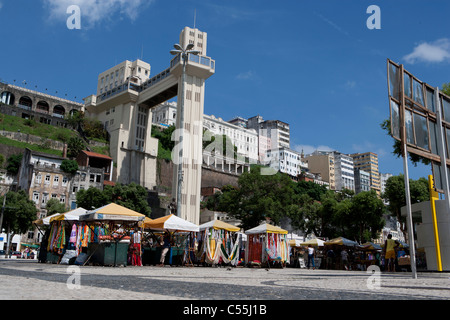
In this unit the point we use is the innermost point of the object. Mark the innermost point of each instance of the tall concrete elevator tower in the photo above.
(125, 97)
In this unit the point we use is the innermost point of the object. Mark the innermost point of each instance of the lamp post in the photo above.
(184, 55)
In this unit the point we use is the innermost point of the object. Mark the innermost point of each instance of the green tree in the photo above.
(132, 196)
(258, 197)
(94, 129)
(14, 162)
(314, 190)
(74, 146)
(19, 213)
(165, 142)
(395, 195)
(54, 206)
(91, 198)
(366, 219)
(446, 88)
(75, 119)
(69, 166)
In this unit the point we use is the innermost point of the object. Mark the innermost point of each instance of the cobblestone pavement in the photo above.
(29, 280)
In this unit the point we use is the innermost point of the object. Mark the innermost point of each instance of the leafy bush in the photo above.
(69, 166)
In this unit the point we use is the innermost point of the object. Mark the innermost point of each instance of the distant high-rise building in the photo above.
(344, 170)
(278, 131)
(368, 162)
(323, 163)
(362, 181)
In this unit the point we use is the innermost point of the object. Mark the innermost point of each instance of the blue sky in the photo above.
(313, 64)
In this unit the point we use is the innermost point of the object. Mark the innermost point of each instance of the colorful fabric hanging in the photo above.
(73, 234)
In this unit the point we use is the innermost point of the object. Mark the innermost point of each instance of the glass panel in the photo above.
(395, 120)
(421, 131)
(418, 92)
(409, 127)
(447, 143)
(430, 100)
(407, 84)
(394, 81)
(446, 109)
(437, 176)
(433, 137)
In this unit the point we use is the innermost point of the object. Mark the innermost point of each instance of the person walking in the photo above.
(390, 245)
(311, 254)
(165, 244)
(344, 259)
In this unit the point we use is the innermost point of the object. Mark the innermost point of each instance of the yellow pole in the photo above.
(433, 197)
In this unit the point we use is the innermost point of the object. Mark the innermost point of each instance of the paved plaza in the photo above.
(29, 280)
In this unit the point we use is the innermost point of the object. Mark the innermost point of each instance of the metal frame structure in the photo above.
(420, 120)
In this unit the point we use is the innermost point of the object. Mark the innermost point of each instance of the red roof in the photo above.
(109, 183)
(96, 155)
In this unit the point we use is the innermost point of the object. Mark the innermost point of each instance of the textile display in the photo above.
(57, 237)
(219, 245)
(277, 247)
(267, 247)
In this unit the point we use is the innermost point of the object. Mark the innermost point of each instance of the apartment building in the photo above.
(344, 171)
(362, 181)
(322, 163)
(287, 161)
(368, 162)
(277, 131)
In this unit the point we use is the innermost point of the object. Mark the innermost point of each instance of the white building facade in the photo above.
(286, 161)
(344, 171)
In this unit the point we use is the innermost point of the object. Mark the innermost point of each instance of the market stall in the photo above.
(345, 251)
(370, 255)
(56, 228)
(219, 243)
(182, 235)
(302, 252)
(112, 235)
(265, 244)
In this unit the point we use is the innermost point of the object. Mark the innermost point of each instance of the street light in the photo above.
(184, 55)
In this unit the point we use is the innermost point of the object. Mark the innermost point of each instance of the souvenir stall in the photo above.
(182, 234)
(266, 244)
(371, 254)
(220, 243)
(55, 239)
(110, 233)
(301, 252)
(340, 244)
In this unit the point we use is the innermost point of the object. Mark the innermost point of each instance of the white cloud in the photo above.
(308, 149)
(350, 84)
(95, 11)
(435, 52)
(245, 75)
